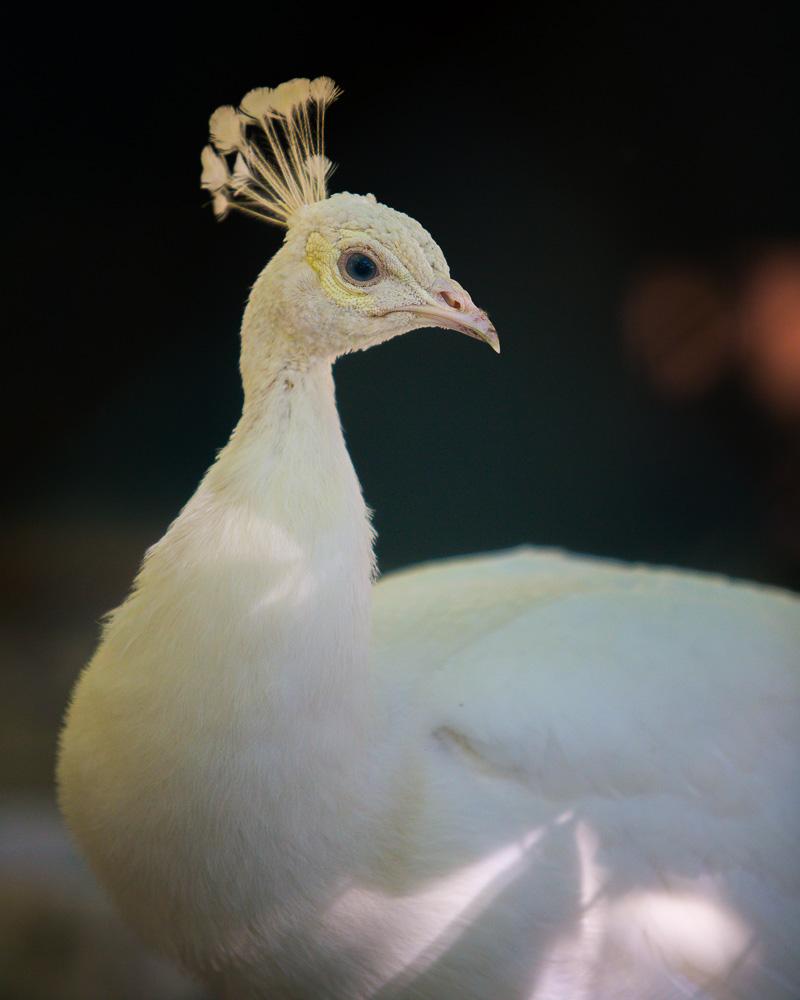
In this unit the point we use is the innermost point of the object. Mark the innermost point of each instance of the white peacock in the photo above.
(518, 775)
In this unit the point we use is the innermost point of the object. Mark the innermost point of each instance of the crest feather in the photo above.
(278, 136)
(226, 129)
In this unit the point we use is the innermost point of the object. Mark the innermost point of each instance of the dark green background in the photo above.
(553, 158)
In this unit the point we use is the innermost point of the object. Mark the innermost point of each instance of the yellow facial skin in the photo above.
(323, 257)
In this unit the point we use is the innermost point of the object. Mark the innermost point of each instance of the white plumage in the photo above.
(521, 775)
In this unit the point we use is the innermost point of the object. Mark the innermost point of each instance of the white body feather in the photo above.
(551, 777)
(518, 776)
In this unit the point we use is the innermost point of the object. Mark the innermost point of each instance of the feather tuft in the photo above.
(323, 90)
(215, 170)
(220, 205)
(226, 129)
(289, 96)
(278, 136)
(242, 174)
(257, 103)
(319, 168)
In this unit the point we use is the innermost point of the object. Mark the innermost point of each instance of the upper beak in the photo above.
(452, 308)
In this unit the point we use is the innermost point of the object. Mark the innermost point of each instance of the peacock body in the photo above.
(519, 775)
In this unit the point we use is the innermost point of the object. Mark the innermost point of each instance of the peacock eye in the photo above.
(359, 268)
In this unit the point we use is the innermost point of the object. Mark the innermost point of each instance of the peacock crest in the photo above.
(267, 157)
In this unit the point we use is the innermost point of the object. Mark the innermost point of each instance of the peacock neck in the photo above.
(251, 618)
(288, 492)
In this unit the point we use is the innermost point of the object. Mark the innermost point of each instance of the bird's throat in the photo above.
(286, 487)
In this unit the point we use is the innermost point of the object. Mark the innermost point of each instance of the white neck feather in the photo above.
(287, 496)
(244, 757)
(250, 619)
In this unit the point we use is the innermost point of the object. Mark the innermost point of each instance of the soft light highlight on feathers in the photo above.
(278, 137)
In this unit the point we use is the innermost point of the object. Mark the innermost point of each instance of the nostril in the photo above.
(452, 300)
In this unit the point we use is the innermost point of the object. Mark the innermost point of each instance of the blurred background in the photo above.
(620, 192)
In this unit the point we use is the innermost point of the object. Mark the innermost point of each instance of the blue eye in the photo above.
(360, 268)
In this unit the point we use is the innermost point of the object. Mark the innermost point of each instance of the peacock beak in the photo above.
(451, 307)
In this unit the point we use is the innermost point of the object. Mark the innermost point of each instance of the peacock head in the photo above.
(351, 272)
